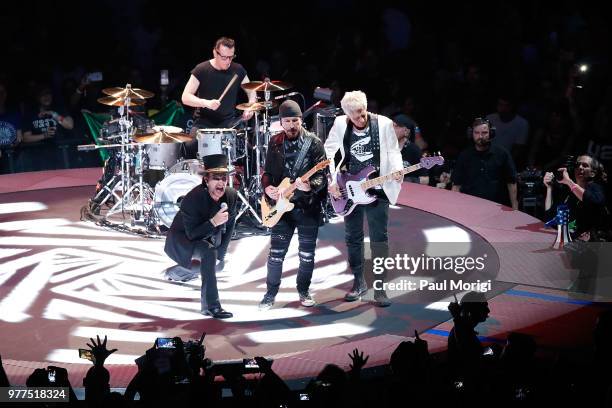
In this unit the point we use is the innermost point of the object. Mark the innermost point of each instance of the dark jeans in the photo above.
(377, 214)
(281, 235)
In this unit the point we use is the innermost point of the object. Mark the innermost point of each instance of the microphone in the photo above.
(223, 228)
(286, 95)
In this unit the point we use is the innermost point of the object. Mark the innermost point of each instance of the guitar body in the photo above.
(351, 192)
(270, 215)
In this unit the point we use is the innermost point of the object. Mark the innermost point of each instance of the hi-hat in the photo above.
(128, 92)
(162, 137)
(271, 86)
(112, 101)
(257, 106)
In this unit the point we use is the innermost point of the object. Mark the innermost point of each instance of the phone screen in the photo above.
(165, 342)
(164, 79)
(51, 375)
(304, 397)
(250, 363)
(86, 354)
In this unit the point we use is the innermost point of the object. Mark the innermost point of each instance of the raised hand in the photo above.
(99, 350)
(358, 360)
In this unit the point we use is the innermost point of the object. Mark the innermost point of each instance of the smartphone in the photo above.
(304, 397)
(250, 363)
(95, 76)
(163, 77)
(51, 375)
(487, 352)
(165, 343)
(86, 354)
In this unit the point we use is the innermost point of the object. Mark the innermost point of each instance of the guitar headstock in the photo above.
(429, 161)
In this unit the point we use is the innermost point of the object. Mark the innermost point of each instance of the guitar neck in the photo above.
(382, 179)
(304, 177)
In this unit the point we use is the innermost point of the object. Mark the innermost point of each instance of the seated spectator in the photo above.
(585, 198)
(511, 130)
(485, 170)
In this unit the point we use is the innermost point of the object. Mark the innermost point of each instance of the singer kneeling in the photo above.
(204, 227)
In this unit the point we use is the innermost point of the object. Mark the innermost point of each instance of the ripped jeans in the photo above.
(280, 239)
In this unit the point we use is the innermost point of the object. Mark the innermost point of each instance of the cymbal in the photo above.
(128, 92)
(271, 86)
(256, 106)
(162, 137)
(112, 101)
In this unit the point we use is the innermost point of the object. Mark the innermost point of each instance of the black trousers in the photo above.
(377, 215)
(282, 232)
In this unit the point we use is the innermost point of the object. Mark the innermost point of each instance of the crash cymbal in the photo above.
(112, 101)
(271, 86)
(128, 92)
(162, 137)
(257, 106)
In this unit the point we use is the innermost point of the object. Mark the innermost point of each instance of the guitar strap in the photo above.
(298, 163)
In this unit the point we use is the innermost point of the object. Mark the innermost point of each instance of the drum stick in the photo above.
(228, 86)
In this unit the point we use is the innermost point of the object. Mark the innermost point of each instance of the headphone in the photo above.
(478, 122)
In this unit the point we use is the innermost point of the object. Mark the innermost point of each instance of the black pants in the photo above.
(377, 215)
(282, 232)
(208, 254)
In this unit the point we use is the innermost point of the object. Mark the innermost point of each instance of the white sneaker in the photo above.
(307, 300)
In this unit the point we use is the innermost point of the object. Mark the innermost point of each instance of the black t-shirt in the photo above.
(485, 174)
(361, 150)
(40, 124)
(292, 150)
(411, 154)
(212, 85)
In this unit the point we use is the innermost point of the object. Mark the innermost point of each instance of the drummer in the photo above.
(206, 90)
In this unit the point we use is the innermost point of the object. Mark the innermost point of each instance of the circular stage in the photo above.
(63, 281)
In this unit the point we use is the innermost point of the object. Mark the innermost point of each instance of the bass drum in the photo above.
(170, 192)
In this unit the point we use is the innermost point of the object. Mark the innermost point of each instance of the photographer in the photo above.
(586, 197)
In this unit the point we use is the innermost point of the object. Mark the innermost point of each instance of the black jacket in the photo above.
(309, 202)
(192, 223)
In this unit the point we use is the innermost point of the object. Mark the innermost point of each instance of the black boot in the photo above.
(359, 288)
(380, 250)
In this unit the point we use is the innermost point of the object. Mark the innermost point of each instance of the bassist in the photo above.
(357, 140)
(292, 153)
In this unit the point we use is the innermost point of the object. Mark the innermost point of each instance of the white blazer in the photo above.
(390, 155)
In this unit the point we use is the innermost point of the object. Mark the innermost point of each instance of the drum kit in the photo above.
(147, 174)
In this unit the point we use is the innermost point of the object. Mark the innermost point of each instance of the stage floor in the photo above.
(63, 281)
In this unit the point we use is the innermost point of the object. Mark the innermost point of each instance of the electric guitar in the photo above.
(271, 215)
(353, 187)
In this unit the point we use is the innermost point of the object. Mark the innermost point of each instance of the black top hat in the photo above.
(215, 163)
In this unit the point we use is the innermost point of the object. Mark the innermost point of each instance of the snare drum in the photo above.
(216, 141)
(170, 192)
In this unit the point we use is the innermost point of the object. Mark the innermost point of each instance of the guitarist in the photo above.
(356, 140)
(291, 153)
